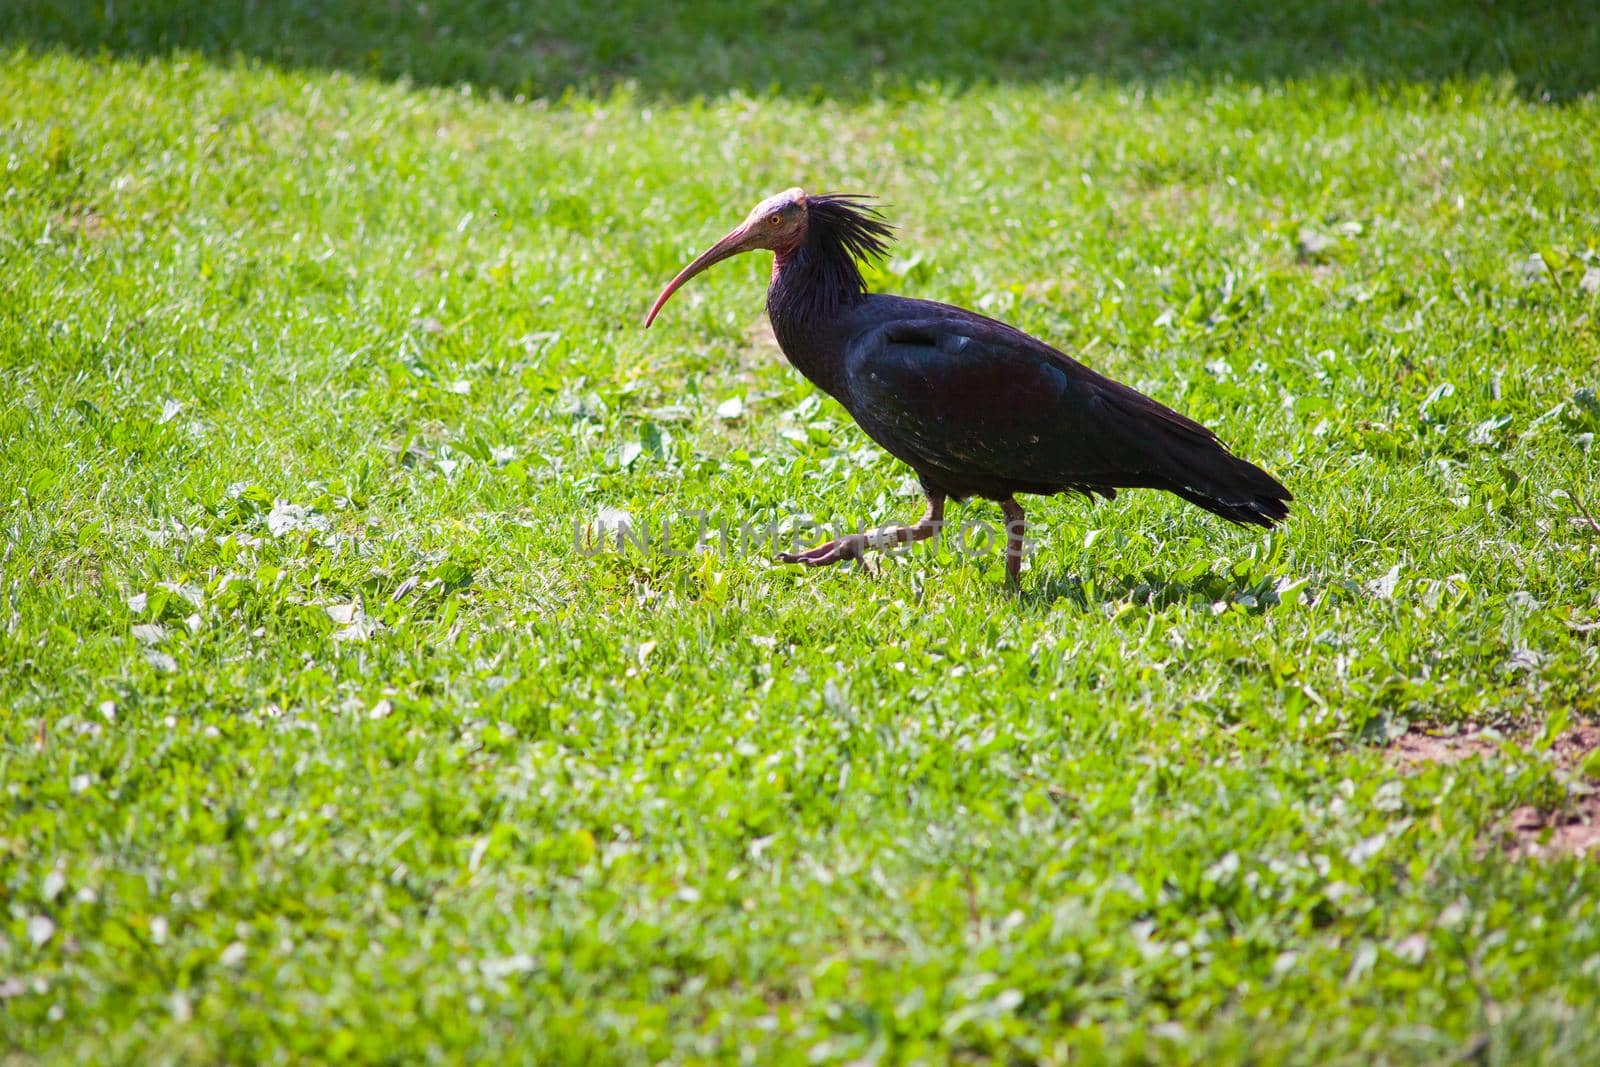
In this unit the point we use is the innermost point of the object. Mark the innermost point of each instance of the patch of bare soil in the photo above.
(760, 347)
(1573, 829)
(1414, 747)
(1574, 746)
(82, 221)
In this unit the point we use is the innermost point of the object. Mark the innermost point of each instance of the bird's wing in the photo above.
(976, 397)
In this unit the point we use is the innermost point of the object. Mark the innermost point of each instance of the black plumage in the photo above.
(975, 407)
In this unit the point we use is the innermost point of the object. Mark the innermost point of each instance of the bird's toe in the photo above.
(826, 554)
(811, 557)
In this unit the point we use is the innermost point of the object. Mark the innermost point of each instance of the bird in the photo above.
(976, 407)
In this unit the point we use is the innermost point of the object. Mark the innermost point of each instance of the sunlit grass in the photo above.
(323, 738)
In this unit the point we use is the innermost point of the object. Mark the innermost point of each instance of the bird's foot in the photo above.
(826, 554)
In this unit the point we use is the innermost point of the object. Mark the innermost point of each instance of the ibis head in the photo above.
(777, 224)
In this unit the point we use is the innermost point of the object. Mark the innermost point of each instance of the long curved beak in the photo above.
(731, 245)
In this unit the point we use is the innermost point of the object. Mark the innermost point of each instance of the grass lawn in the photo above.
(322, 739)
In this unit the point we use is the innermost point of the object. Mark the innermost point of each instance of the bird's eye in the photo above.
(771, 220)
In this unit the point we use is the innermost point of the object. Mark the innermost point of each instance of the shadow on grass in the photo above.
(1244, 588)
(822, 49)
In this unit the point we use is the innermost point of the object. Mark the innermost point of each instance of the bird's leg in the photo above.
(853, 546)
(1014, 526)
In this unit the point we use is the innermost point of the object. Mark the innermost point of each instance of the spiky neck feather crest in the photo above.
(822, 273)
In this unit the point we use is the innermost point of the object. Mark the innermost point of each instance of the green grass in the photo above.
(322, 741)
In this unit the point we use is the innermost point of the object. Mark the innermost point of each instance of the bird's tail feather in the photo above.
(1177, 454)
(1233, 488)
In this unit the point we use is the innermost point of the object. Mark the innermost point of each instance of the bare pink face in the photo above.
(779, 221)
(777, 224)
